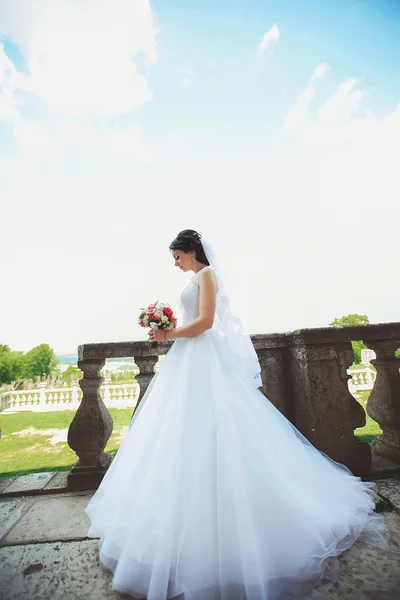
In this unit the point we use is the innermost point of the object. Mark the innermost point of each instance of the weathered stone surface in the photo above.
(121, 350)
(28, 483)
(384, 401)
(55, 571)
(58, 482)
(11, 512)
(377, 331)
(52, 518)
(5, 482)
(146, 365)
(25, 484)
(323, 409)
(382, 467)
(390, 489)
(274, 373)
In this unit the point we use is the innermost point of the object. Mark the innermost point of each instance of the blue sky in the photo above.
(112, 139)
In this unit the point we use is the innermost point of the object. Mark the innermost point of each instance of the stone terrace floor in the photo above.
(45, 554)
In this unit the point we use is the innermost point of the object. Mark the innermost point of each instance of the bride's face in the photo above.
(183, 260)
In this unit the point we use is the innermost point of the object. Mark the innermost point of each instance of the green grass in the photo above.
(23, 454)
(355, 367)
(371, 429)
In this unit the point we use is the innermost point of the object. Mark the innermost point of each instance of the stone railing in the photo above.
(304, 375)
(361, 379)
(45, 400)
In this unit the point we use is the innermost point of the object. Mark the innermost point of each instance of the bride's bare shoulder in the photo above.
(207, 275)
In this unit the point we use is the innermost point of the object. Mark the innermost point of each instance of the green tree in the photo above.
(350, 321)
(357, 347)
(39, 361)
(126, 377)
(71, 374)
(11, 364)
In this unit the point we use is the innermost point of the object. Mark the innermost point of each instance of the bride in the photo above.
(214, 494)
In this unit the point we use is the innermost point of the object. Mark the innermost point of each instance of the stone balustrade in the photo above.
(361, 379)
(45, 399)
(304, 375)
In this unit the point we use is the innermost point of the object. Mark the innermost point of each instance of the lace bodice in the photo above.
(190, 300)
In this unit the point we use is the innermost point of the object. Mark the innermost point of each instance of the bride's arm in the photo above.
(205, 320)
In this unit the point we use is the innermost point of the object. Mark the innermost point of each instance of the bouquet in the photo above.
(157, 316)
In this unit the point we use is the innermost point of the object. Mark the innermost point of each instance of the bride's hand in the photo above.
(156, 335)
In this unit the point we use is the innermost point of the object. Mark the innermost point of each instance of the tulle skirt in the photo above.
(214, 495)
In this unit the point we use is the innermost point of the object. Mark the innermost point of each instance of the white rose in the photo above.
(154, 325)
(164, 319)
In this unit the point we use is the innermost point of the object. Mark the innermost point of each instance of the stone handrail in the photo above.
(304, 375)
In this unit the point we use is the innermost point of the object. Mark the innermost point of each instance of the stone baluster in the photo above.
(384, 401)
(42, 395)
(323, 408)
(146, 365)
(90, 430)
(6, 400)
(75, 398)
(106, 392)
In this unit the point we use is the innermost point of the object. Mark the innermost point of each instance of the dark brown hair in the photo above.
(189, 240)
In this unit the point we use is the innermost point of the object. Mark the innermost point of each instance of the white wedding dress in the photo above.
(214, 495)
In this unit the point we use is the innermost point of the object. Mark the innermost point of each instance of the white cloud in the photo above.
(48, 142)
(6, 167)
(127, 144)
(271, 36)
(333, 120)
(83, 71)
(8, 105)
(348, 145)
(353, 155)
(84, 58)
(299, 113)
(343, 103)
(9, 80)
(321, 70)
(32, 141)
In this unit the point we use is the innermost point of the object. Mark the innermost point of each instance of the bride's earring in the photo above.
(193, 258)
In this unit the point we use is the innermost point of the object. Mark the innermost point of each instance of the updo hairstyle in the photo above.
(189, 240)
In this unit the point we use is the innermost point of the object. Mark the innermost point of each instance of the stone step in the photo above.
(50, 482)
